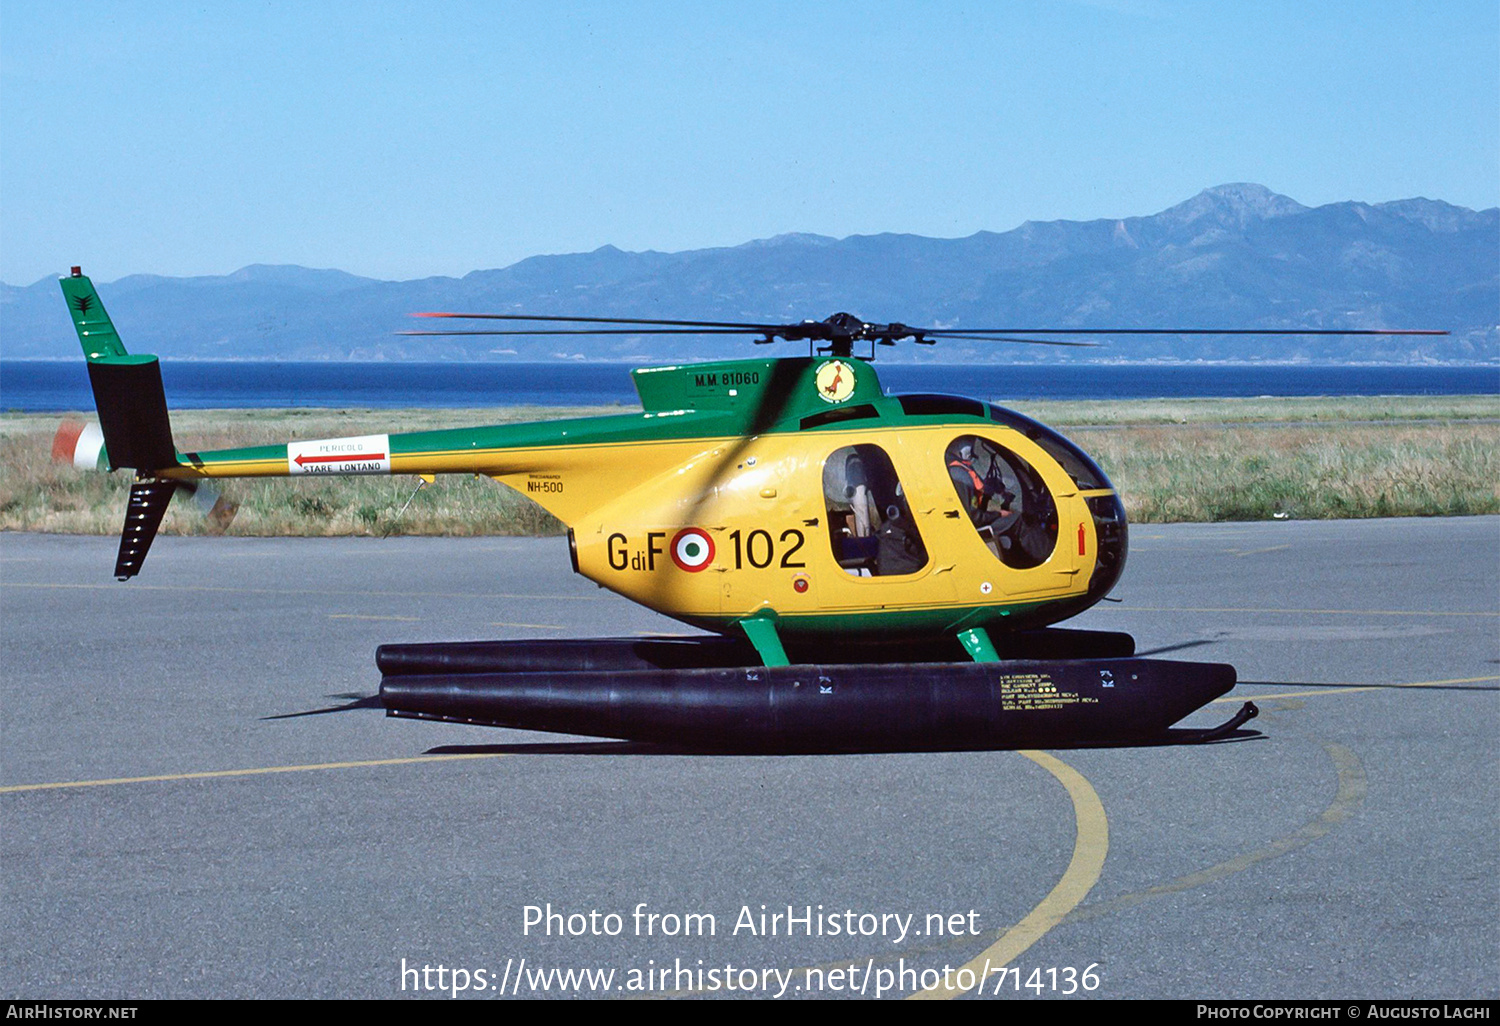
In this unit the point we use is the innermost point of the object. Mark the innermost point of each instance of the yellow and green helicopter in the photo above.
(877, 571)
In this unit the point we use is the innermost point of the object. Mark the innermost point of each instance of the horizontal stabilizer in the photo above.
(133, 412)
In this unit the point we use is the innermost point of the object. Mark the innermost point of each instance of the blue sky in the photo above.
(405, 140)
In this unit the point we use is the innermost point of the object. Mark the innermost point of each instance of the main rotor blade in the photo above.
(841, 330)
(1030, 341)
(593, 331)
(950, 332)
(742, 326)
(711, 331)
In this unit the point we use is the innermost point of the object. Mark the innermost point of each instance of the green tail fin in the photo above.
(127, 389)
(95, 330)
(133, 416)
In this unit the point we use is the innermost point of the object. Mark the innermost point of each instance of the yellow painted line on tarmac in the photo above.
(1352, 787)
(1090, 845)
(1328, 612)
(365, 616)
(312, 591)
(1337, 689)
(258, 771)
(1255, 552)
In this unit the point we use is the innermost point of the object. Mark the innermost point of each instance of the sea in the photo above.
(63, 385)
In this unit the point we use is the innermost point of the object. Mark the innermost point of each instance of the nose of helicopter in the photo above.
(1114, 542)
(1103, 501)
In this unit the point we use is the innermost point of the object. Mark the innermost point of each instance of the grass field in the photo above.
(1173, 460)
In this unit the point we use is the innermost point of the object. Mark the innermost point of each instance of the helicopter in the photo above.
(874, 571)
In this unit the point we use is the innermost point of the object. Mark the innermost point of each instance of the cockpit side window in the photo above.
(1006, 500)
(870, 525)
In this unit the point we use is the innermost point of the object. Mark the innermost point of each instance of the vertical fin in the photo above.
(127, 389)
(96, 331)
(148, 502)
(132, 417)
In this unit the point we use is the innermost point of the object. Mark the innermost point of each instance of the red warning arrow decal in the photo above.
(363, 454)
(304, 460)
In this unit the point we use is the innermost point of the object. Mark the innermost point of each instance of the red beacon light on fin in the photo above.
(78, 272)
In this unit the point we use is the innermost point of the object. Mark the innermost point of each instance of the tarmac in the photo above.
(200, 796)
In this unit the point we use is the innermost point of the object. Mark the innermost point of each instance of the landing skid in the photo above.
(705, 693)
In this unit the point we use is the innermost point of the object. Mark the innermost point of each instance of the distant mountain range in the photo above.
(1236, 256)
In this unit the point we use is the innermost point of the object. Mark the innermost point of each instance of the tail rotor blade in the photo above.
(217, 511)
(79, 444)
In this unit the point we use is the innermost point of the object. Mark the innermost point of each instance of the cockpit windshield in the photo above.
(1083, 470)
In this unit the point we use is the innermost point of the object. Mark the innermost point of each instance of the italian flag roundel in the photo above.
(692, 549)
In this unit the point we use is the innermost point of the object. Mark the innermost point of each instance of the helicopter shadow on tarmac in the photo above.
(1175, 737)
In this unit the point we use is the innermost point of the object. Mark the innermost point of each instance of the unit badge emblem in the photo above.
(835, 381)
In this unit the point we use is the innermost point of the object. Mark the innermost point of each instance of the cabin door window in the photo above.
(1006, 500)
(870, 525)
